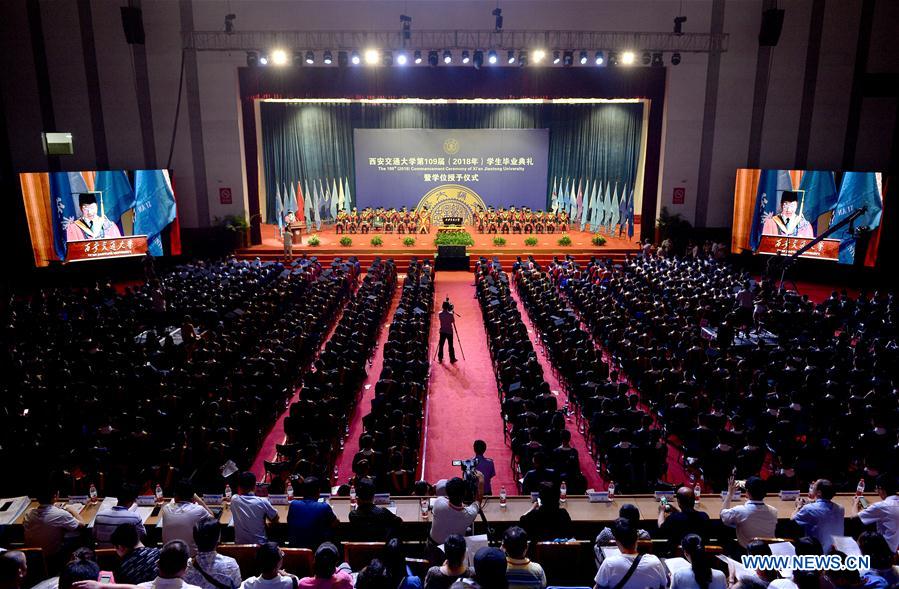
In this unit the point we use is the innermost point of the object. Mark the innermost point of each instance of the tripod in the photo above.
(458, 339)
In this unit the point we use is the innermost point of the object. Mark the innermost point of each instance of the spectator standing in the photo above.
(755, 518)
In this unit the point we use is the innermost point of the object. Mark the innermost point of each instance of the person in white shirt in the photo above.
(180, 517)
(450, 515)
(700, 575)
(209, 569)
(755, 518)
(270, 560)
(107, 520)
(250, 512)
(49, 527)
(172, 567)
(883, 514)
(629, 570)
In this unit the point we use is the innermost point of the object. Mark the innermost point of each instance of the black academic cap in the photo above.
(789, 196)
(87, 198)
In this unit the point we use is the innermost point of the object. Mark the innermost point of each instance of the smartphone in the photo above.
(105, 578)
(457, 463)
(156, 510)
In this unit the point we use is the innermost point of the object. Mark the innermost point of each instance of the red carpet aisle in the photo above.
(588, 467)
(363, 406)
(462, 401)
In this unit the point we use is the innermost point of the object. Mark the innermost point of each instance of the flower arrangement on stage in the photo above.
(314, 241)
(377, 241)
(408, 241)
(499, 241)
(565, 241)
(346, 241)
(454, 238)
(598, 240)
(530, 241)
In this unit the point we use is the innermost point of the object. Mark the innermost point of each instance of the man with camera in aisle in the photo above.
(450, 513)
(447, 324)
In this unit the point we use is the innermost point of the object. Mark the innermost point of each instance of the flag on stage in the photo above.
(334, 199)
(606, 199)
(301, 204)
(279, 209)
(630, 214)
(291, 199)
(341, 199)
(820, 195)
(859, 189)
(772, 183)
(316, 209)
(622, 212)
(307, 204)
(118, 196)
(615, 210)
(347, 199)
(325, 199)
(594, 206)
(154, 206)
(585, 205)
(576, 202)
(553, 197)
(64, 190)
(563, 196)
(611, 209)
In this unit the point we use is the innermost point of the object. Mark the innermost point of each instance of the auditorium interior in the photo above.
(500, 294)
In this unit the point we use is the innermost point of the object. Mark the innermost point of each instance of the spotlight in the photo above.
(679, 24)
(583, 58)
(466, 57)
(675, 58)
(263, 59)
(447, 56)
(646, 58)
(511, 58)
(402, 59)
(478, 59)
(491, 57)
(613, 58)
(432, 58)
(342, 59)
(557, 58)
(538, 55)
(310, 58)
(498, 13)
(327, 58)
(599, 59)
(387, 60)
(354, 57)
(657, 60)
(522, 58)
(628, 58)
(567, 58)
(417, 56)
(371, 56)
(252, 59)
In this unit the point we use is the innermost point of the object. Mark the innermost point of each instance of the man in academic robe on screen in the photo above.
(91, 224)
(789, 222)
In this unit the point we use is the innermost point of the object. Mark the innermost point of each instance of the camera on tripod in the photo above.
(468, 475)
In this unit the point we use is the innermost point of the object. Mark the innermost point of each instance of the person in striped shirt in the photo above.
(521, 572)
(108, 520)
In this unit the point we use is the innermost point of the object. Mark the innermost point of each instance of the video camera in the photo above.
(469, 476)
(447, 305)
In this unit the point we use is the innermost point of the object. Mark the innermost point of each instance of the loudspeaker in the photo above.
(772, 25)
(57, 143)
(133, 25)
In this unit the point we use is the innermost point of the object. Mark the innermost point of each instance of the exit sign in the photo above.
(679, 195)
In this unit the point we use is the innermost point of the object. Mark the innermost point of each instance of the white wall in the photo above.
(220, 109)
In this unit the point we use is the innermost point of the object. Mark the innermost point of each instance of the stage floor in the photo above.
(424, 244)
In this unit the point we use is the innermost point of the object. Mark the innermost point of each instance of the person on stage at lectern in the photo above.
(789, 222)
(91, 225)
(447, 322)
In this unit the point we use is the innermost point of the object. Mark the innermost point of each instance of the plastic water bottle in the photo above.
(352, 497)
(563, 493)
(158, 492)
(92, 491)
(502, 497)
(860, 489)
(424, 504)
(289, 490)
(228, 492)
(611, 489)
(697, 490)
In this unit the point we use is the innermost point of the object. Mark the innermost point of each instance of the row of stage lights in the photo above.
(373, 57)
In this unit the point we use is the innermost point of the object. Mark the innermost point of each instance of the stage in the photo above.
(547, 246)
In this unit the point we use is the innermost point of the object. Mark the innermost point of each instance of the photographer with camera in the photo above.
(451, 514)
(483, 465)
(447, 324)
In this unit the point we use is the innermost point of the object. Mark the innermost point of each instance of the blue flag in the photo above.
(615, 209)
(630, 214)
(585, 206)
(118, 196)
(64, 190)
(554, 197)
(772, 183)
(290, 199)
(316, 205)
(820, 195)
(334, 199)
(859, 189)
(594, 206)
(623, 217)
(307, 205)
(154, 206)
(346, 195)
(602, 205)
(279, 209)
(612, 209)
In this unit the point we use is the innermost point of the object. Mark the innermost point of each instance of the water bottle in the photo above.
(860, 489)
(352, 497)
(611, 489)
(563, 493)
(424, 504)
(289, 490)
(158, 492)
(228, 492)
(502, 497)
(92, 491)
(697, 490)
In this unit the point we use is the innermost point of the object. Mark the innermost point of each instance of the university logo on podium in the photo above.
(452, 200)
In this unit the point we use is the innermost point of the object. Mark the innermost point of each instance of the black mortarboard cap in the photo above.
(87, 198)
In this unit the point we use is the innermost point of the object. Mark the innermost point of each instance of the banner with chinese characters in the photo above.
(499, 167)
(826, 249)
(115, 247)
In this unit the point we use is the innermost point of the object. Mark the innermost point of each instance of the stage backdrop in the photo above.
(400, 167)
(307, 149)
